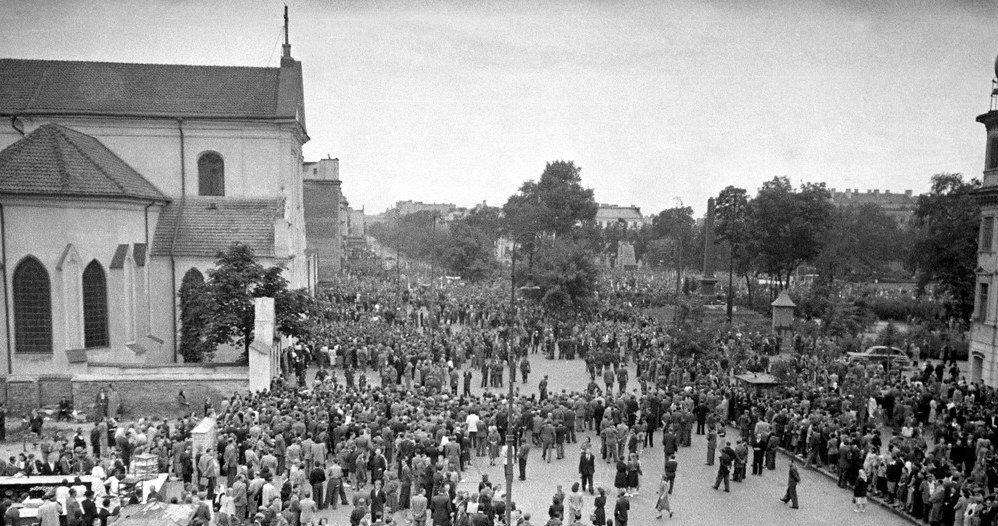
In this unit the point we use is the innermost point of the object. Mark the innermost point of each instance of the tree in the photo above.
(195, 315)
(485, 220)
(566, 274)
(675, 227)
(554, 204)
(732, 226)
(470, 252)
(788, 227)
(946, 223)
(296, 312)
(860, 244)
(232, 285)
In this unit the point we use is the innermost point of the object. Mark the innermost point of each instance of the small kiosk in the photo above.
(783, 319)
(758, 383)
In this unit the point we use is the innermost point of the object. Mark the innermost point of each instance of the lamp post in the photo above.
(527, 242)
(398, 255)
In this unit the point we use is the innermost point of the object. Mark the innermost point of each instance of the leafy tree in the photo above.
(860, 244)
(233, 284)
(554, 204)
(675, 226)
(788, 227)
(195, 314)
(470, 252)
(486, 221)
(732, 226)
(296, 312)
(946, 223)
(566, 274)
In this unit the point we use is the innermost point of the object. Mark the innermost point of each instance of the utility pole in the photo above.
(731, 276)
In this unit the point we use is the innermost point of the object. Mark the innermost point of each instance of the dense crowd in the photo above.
(398, 447)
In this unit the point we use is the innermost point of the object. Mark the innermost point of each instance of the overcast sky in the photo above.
(657, 101)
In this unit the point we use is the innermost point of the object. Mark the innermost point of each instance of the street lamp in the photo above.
(398, 255)
(527, 242)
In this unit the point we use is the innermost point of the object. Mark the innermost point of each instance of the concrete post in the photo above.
(262, 355)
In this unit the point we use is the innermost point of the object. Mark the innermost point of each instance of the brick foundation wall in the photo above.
(22, 397)
(145, 391)
(157, 396)
(54, 388)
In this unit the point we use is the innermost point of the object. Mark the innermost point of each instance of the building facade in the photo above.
(984, 331)
(899, 206)
(323, 201)
(628, 216)
(116, 180)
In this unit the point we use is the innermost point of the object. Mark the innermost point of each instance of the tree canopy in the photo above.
(946, 225)
(787, 227)
(555, 204)
(221, 311)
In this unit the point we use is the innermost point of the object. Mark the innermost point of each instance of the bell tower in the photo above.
(984, 332)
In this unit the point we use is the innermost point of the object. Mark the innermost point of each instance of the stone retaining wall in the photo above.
(144, 391)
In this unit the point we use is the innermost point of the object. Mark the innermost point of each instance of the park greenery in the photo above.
(783, 237)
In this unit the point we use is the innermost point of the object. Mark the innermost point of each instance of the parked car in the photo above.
(881, 354)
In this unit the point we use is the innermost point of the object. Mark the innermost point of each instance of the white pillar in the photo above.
(262, 351)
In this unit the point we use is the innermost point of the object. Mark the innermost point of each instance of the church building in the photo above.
(116, 180)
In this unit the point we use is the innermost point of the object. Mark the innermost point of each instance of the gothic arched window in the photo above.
(32, 307)
(95, 306)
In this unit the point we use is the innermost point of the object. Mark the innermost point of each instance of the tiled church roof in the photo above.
(59, 87)
(55, 160)
(208, 225)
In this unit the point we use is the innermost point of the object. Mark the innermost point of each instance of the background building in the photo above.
(404, 208)
(607, 215)
(900, 206)
(322, 202)
(984, 331)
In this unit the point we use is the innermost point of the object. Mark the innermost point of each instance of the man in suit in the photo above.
(724, 469)
(441, 508)
(793, 478)
(521, 455)
(89, 508)
(230, 461)
(239, 498)
(418, 507)
(587, 467)
(621, 509)
(711, 445)
(671, 466)
(670, 442)
(317, 478)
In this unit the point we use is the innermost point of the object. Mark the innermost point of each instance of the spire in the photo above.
(287, 40)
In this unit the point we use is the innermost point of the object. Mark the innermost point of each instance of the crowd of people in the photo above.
(381, 414)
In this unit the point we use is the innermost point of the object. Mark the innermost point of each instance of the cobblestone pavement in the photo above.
(752, 502)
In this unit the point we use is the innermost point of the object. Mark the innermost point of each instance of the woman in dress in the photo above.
(663, 498)
(620, 479)
(633, 475)
(574, 504)
(493, 444)
(859, 492)
(599, 508)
